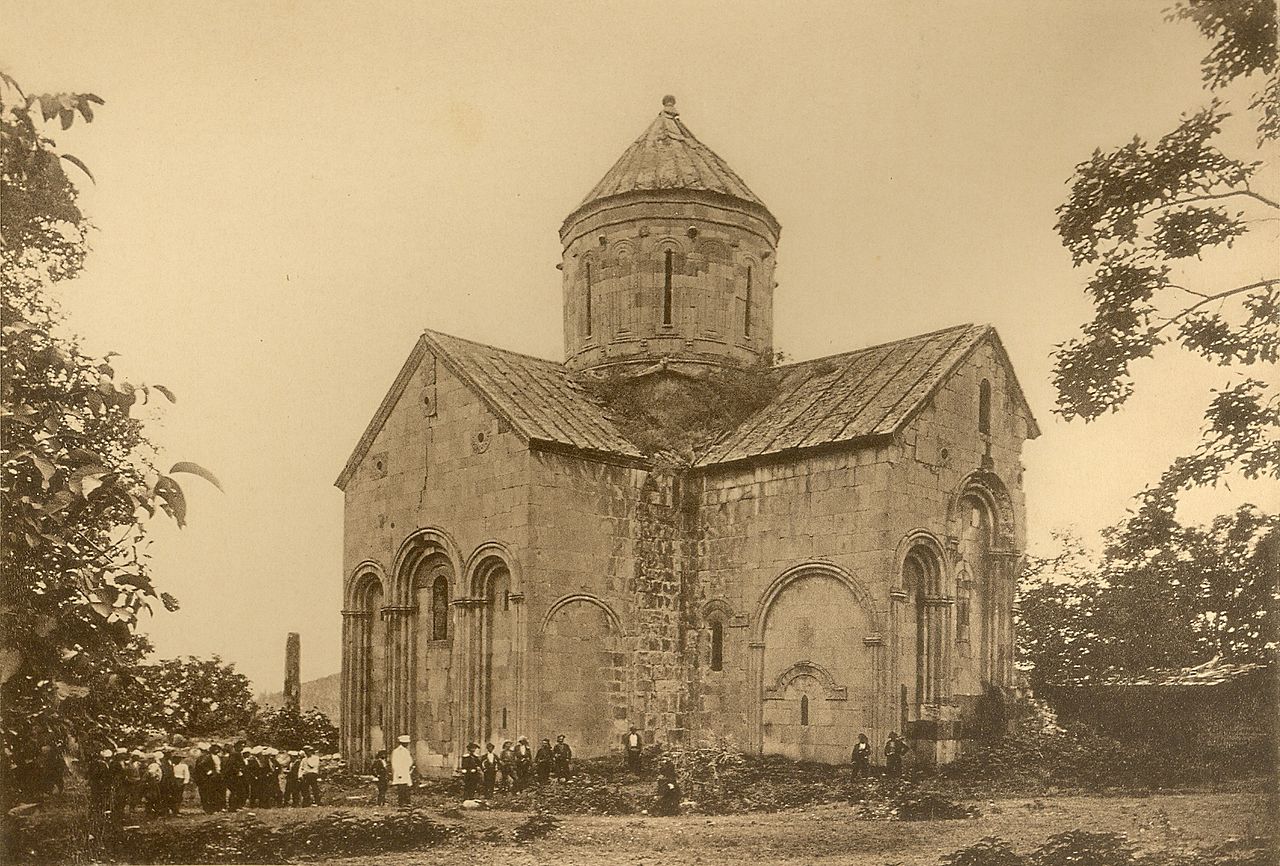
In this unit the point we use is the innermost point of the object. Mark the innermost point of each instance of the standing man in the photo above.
(471, 771)
(381, 772)
(506, 767)
(561, 755)
(633, 747)
(861, 757)
(252, 777)
(309, 777)
(402, 770)
(524, 764)
(98, 774)
(542, 762)
(233, 775)
(208, 777)
(177, 785)
(894, 749)
(489, 769)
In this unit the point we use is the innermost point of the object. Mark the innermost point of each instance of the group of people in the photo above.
(228, 778)
(512, 769)
(895, 748)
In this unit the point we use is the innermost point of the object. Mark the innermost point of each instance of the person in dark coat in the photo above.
(523, 764)
(381, 772)
(489, 769)
(119, 782)
(560, 757)
(894, 749)
(668, 799)
(471, 771)
(208, 773)
(861, 758)
(542, 762)
(233, 776)
(98, 774)
(252, 777)
(633, 749)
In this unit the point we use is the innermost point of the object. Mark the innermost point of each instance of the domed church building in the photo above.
(668, 530)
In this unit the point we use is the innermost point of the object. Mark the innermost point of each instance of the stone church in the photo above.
(840, 559)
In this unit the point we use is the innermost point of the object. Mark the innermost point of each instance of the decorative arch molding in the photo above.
(917, 541)
(420, 546)
(812, 568)
(985, 486)
(482, 563)
(806, 668)
(717, 608)
(615, 624)
(362, 576)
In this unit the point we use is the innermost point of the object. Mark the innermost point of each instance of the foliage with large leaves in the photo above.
(77, 475)
(1137, 216)
(190, 696)
(1204, 592)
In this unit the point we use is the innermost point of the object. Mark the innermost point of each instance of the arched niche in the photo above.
(428, 544)
(581, 685)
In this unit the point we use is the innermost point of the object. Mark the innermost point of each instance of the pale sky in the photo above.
(289, 192)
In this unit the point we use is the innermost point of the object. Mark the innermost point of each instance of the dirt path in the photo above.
(830, 834)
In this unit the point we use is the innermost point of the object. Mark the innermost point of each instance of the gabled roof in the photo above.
(666, 157)
(860, 395)
(864, 394)
(534, 396)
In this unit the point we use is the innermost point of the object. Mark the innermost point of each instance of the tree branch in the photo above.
(1209, 298)
(1213, 196)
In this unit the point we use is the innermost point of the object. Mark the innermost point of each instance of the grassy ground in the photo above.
(830, 834)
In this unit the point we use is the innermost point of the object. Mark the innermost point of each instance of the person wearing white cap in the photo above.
(177, 785)
(402, 770)
(98, 774)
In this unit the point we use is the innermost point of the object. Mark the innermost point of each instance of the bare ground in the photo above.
(832, 834)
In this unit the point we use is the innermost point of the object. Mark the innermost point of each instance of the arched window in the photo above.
(963, 594)
(746, 321)
(588, 299)
(666, 289)
(717, 645)
(804, 709)
(440, 608)
(984, 407)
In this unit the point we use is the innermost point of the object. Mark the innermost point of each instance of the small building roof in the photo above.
(667, 156)
(854, 396)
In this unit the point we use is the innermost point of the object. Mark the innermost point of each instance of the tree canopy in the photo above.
(78, 477)
(1138, 216)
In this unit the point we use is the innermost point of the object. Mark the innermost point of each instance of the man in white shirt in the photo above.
(633, 746)
(177, 785)
(309, 777)
(402, 770)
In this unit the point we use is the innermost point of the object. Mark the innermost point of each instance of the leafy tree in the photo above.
(190, 696)
(77, 474)
(1210, 592)
(287, 729)
(1137, 215)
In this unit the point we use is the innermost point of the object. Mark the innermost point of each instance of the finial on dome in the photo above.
(669, 105)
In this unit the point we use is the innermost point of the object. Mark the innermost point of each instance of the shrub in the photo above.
(1082, 848)
(987, 851)
(535, 827)
(283, 728)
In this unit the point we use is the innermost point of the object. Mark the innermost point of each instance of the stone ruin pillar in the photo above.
(293, 673)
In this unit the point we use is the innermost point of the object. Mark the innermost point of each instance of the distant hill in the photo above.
(323, 694)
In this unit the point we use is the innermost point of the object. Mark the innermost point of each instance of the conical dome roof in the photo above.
(669, 157)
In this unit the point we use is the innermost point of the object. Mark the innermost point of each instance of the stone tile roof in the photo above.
(853, 396)
(856, 395)
(668, 156)
(535, 396)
